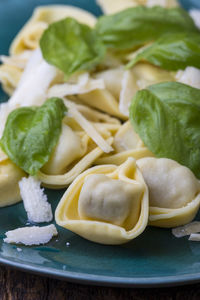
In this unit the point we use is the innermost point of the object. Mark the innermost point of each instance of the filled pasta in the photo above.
(174, 196)
(106, 204)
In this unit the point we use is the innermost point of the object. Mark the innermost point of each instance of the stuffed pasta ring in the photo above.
(106, 204)
(174, 192)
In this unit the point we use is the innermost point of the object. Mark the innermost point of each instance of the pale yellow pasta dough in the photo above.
(10, 175)
(29, 36)
(106, 204)
(126, 144)
(9, 77)
(174, 191)
(75, 150)
(104, 101)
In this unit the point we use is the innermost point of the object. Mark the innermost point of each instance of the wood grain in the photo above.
(17, 285)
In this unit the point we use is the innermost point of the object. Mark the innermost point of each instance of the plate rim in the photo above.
(102, 280)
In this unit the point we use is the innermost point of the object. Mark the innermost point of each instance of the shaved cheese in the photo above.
(195, 14)
(190, 76)
(34, 235)
(88, 127)
(35, 201)
(19, 61)
(84, 85)
(181, 231)
(129, 88)
(151, 3)
(32, 87)
(5, 109)
(194, 237)
(35, 80)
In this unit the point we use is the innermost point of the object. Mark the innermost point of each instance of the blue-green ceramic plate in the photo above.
(156, 258)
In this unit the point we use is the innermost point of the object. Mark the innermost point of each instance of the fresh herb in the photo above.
(71, 46)
(140, 25)
(167, 118)
(31, 133)
(172, 52)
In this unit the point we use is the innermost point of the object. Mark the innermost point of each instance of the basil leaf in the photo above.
(167, 118)
(71, 46)
(31, 133)
(139, 25)
(172, 52)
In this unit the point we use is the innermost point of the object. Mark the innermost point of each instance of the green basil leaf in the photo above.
(172, 52)
(139, 25)
(71, 46)
(31, 133)
(167, 118)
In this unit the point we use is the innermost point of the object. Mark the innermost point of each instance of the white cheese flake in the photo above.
(151, 3)
(28, 236)
(195, 14)
(129, 88)
(194, 237)
(187, 229)
(84, 84)
(190, 76)
(35, 201)
(34, 82)
(88, 127)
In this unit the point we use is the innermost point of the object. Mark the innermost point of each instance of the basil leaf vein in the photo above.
(172, 52)
(31, 133)
(139, 25)
(166, 117)
(71, 46)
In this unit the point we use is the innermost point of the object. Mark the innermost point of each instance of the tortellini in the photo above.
(174, 191)
(106, 204)
(28, 38)
(10, 175)
(75, 150)
(126, 144)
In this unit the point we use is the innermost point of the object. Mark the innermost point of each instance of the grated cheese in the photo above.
(88, 127)
(194, 237)
(28, 236)
(190, 76)
(84, 84)
(35, 201)
(195, 14)
(187, 229)
(129, 88)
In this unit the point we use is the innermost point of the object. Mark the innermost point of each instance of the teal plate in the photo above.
(156, 258)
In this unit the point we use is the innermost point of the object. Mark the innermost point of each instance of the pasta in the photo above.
(81, 92)
(174, 192)
(102, 224)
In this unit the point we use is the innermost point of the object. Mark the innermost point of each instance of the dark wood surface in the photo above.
(17, 285)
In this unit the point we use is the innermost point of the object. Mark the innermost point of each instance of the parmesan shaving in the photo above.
(84, 84)
(129, 88)
(151, 3)
(34, 82)
(35, 201)
(188, 229)
(32, 87)
(194, 237)
(28, 236)
(88, 127)
(190, 76)
(195, 14)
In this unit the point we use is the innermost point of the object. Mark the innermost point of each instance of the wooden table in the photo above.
(17, 285)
